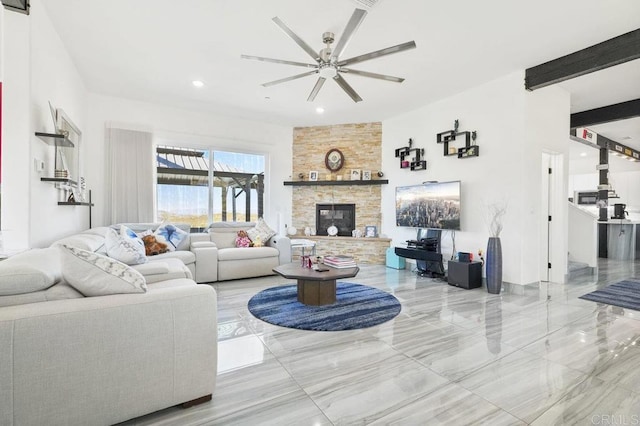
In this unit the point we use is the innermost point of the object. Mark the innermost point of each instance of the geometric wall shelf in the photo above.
(416, 163)
(468, 150)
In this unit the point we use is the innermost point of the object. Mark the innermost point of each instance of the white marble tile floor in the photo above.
(533, 355)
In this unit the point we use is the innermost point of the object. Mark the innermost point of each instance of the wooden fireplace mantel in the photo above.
(360, 240)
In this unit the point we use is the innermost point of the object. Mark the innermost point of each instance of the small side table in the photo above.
(303, 244)
(465, 275)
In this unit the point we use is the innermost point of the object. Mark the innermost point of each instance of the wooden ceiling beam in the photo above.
(606, 114)
(615, 51)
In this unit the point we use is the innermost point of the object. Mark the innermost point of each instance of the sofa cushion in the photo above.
(224, 234)
(95, 275)
(162, 270)
(261, 232)
(242, 253)
(86, 241)
(125, 246)
(58, 291)
(187, 257)
(30, 271)
(171, 235)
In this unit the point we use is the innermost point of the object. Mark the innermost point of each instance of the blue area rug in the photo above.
(357, 306)
(625, 294)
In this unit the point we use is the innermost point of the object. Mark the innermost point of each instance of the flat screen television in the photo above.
(430, 205)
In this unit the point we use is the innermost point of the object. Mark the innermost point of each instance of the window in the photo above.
(200, 186)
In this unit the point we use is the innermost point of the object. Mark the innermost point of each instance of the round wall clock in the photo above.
(334, 160)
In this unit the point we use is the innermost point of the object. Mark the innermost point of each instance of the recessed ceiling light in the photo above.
(626, 138)
(319, 110)
(583, 154)
(197, 83)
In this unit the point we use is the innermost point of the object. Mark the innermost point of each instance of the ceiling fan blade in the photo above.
(316, 89)
(372, 75)
(345, 86)
(378, 53)
(353, 24)
(297, 39)
(293, 77)
(279, 61)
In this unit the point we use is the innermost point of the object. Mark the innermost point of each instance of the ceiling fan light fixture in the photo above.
(327, 63)
(328, 72)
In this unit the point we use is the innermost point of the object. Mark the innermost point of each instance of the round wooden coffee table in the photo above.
(314, 287)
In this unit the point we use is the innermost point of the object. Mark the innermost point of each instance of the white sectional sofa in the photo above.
(66, 359)
(210, 256)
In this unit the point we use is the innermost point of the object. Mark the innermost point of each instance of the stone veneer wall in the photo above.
(363, 250)
(361, 145)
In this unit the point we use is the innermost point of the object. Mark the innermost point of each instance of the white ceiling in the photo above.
(151, 50)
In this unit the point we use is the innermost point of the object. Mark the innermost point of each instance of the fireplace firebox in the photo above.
(342, 216)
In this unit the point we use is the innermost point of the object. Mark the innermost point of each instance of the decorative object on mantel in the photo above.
(301, 176)
(380, 174)
(366, 175)
(468, 150)
(355, 174)
(416, 163)
(495, 214)
(313, 175)
(334, 160)
(370, 231)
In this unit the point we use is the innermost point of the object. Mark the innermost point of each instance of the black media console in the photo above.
(426, 250)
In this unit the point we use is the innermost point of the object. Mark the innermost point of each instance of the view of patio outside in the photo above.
(184, 181)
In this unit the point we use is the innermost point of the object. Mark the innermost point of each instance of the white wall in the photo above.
(55, 79)
(513, 129)
(188, 128)
(15, 129)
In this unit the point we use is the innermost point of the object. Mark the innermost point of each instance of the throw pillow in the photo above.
(242, 240)
(125, 246)
(262, 231)
(171, 235)
(95, 275)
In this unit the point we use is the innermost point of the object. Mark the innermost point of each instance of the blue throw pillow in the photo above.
(171, 235)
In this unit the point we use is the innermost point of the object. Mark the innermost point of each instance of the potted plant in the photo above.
(495, 216)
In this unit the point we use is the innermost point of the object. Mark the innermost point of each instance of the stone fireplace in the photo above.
(343, 216)
(361, 145)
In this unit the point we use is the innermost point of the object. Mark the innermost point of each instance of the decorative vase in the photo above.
(494, 265)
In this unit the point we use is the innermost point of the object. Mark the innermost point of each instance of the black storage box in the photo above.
(466, 275)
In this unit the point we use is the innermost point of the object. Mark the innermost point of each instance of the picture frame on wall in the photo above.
(355, 174)
(371, 231)
(366, 175)
(313, 175)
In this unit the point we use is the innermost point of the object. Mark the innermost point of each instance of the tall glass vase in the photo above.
(494, 265)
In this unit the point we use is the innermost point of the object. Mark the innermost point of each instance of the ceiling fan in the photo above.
(327, 61)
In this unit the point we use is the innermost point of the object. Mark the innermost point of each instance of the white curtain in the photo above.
(130, 176)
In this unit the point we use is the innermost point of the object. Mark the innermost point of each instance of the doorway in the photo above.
(553, 253)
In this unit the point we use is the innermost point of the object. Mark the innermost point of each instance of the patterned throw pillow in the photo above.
(261, 231)
(125, 246)
(171, 235)
(95, 275)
